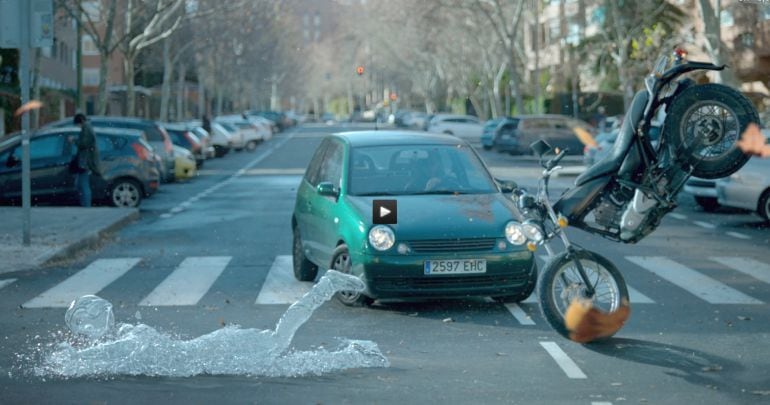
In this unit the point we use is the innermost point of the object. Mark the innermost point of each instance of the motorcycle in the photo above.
(624, 196)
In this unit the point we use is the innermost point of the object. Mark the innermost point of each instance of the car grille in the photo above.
(439, 282)
(452, 245)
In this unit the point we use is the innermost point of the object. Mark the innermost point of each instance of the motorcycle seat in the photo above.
(612, 162)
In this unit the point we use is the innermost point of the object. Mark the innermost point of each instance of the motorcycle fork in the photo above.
(572, 255)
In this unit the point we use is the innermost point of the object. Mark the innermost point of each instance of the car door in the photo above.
(470, 129)
(305, 207)
(325, 208)
(49, 167)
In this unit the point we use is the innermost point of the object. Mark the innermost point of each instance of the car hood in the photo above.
(443, 216)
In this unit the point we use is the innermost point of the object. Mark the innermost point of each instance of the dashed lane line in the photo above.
(739, 235)
(567, 365)
(90, 280)
(519, 314)
(705, 225)
(677, 216)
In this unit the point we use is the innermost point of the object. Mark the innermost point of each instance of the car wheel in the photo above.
(251, 146)
(341, 262)
(487, 147)
(304, 269)
(764, 205)
(126, 193)
(709, 204)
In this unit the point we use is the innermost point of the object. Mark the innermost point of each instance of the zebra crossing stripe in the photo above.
(5, 282)
(280, 286)
(90, 280)
(565, 362)
(519, 314)
(700, 285)
(188, 283)
(753, 268)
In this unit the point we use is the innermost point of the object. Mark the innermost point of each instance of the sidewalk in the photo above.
(56, 233)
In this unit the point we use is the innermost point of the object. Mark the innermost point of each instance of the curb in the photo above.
(89, 239)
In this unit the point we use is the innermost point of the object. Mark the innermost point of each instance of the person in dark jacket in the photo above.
(87, 159)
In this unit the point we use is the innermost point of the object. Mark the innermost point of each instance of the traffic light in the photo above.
(360, 70)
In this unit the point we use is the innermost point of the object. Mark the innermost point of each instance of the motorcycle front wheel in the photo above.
(560, 283)
(706, 122)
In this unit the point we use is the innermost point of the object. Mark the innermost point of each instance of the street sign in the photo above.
(40, 23)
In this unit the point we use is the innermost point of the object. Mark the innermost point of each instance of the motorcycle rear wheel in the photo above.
(707, 121)
(560, 283)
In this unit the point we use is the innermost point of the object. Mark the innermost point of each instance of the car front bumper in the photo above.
(402, 276)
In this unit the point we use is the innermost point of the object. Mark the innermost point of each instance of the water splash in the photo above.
(100, 348)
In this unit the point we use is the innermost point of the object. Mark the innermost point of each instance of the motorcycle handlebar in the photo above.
(555, 161)
(689, 67)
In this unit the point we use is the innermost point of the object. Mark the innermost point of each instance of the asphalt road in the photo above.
(699, 330)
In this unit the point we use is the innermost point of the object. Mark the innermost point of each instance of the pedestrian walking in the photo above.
(86, 162)
(206, 123)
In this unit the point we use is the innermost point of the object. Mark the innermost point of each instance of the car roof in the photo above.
(104, 119)
(99, 131)
(442, 116)
(384, 138)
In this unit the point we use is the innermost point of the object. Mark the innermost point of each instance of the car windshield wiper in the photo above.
(375, 194)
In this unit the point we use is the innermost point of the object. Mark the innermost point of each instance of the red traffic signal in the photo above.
(360, 70)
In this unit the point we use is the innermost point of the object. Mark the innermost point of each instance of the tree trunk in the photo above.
(181, 111)
(130, 94)
(102, 98)
(165, 88)
(714, 45)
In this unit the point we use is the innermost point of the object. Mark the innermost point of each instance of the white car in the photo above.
(250, 135)
(467, 127)
(264, 126)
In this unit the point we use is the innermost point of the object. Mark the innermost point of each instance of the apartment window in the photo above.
(46, 51)
(317, 19)
(74, 59)
(91, 76)
(89, 47)
(306, 19)
(726, 18)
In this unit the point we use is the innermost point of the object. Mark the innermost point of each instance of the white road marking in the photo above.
(280, 286)
(166, 215)
(601, 403)
(698, 284)
(177, 210)
(704, 224)
(567, 365)
(677, 216)
(532, 299)
(90, 280)
(519, 314)
(6, 282)
(638, 298)
(188, 283)
(739, 235)
(754, 268)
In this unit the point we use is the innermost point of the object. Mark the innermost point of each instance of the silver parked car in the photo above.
(748, 188)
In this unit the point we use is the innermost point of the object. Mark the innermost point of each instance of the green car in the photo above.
(454, 234)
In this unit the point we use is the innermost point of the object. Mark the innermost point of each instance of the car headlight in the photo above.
(381, 237)
(532, 232)
(514, 234)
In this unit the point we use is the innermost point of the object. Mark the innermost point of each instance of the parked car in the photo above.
(557, 130)
(748, 188)
(488, 133)
(466, 127)
(237, 139)
(153, 131)
(281, 120)
(251, 132)
(126, 160)
(206, 142)
(183, 137)
(704, 191)
(185, 167)
(441, 244)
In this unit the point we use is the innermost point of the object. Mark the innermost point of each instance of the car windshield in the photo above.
(417, 169)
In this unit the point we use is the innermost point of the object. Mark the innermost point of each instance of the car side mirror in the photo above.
(507, 186)
(327, 189)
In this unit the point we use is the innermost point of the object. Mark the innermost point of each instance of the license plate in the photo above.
(460, 266)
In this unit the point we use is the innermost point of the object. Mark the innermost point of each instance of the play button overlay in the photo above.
(384, 212)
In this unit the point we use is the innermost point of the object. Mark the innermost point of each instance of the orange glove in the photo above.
(753, 142)
(587, 323)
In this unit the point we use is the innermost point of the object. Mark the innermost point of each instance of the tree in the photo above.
(713, 39)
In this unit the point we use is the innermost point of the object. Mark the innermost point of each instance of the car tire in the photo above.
(126, 193)
(487, 147)
(341, 262)
(709, 204)
(764, 205)
(251, 146)
(304, 269)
